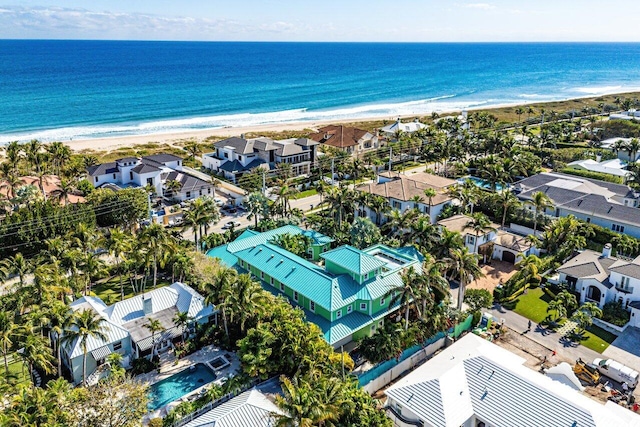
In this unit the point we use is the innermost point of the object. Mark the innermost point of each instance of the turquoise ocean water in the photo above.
(61, 90)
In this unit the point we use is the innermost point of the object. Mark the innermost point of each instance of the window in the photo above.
(338, 314)
(149, 180)
(117, 345)
(209, 190)
(380, 323)
(226, 156)
(618, 228)
(295, 296)
(312, 306)
(188, 194)
(271, 281)
(395, 204)
(131, 175)
(96, 179)
(114, 176)
(363, 306)
(201, 192)
(471, 240)
(240, 158)
(262, 274)
(282, 287)
(373, 327)
(349, 309)
(382, 301)
(242, 264)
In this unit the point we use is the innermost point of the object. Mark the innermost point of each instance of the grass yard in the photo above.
(597, 339)
(18, 371)
(532, 305)
(109, 290)
(305, 193)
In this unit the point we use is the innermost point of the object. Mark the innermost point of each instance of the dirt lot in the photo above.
(493, 274)
(534, 355)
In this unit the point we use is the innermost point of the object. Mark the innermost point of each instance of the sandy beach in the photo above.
(109, 144)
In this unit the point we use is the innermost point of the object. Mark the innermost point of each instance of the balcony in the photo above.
(624, 289)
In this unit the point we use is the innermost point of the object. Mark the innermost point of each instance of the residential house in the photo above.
(155, 171)
(125, 326)
(398, 127)
(399, 190)
(251, 408)
(609, 205)
(352, 140)
(623, 155)
(601, 278)
(50, 186)
(614, 167)
(475, 243)
(475, 383)
(236, 156)
(345, 294)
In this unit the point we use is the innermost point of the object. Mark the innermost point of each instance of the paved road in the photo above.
(550, 339)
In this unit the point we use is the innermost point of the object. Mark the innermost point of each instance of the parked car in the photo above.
(234, 224)
(218, 201)
(617, 371)
(231, 210)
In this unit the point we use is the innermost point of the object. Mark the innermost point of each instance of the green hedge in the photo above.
(593, 175)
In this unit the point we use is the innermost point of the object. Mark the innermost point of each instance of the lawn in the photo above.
(533, 305)
(109, 290)
(18, 372)
(305, 193)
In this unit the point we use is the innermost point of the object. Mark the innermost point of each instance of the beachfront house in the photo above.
(344, 290)
(351, 140)
(125, 326)
(398, 128)
(476, 383)
(400, 192)
(609, 205)
(236, 156)
(155, 171)
(600, 278)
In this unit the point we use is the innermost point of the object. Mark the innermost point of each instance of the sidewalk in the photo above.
(565, 349)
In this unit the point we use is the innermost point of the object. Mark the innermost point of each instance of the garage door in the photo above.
(509, 257)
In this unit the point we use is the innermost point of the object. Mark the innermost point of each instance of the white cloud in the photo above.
(57, 22)
(482, 6)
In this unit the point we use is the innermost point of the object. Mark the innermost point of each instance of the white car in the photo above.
(228, 225)
(218, 201)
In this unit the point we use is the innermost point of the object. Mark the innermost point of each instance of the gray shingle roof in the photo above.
(162, 158)
(557, 195)
(547, 177)
(102, 169)
(588, 264)
(189, 182)
(599, 206)
(145, 168)
(240, 145)
(630, 270)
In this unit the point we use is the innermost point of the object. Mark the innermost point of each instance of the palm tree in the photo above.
(540, 202)
(60, 321)
(341, 202)
(284, 194)
(256, 204)
(465, 265)
(507, 200)
(558, 308)
(430, 193)
(224, 278)
(173, 187)
(157, 242)
(378, 205)
(59, 154)
(154, 326)
(118, 243)
(7, 333)
(15, 265)
(300, 406)
(408, 294)
(182, 320)
(480, 224)
(36, 353)
(519, 111)
(245, 300)
(85, 325)
(193, 148)
(592, 309)
(92, 267)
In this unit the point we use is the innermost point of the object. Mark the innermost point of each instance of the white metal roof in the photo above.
(251, 408)
(474, 376)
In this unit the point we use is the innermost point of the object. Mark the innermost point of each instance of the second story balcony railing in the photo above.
(626, 289)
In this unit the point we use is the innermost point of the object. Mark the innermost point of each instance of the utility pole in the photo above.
(332, 170)
(390, 155)
(264, 183)
(149, 206)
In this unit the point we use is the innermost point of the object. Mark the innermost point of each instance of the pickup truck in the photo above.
(617, 371)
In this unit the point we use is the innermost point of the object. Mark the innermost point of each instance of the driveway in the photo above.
(626, 348)
(495, 273)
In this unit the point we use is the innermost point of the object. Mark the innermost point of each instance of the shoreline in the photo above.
(108, 144)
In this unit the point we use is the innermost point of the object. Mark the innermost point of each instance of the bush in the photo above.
(614, 313)
(155, 422)
(142, 365)
(593, 175)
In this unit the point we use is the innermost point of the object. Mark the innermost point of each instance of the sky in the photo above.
(324, 20)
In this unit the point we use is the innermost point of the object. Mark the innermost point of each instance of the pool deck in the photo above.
(174, 366)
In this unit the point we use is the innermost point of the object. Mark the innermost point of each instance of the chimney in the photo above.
(147, 306)
(606, 250)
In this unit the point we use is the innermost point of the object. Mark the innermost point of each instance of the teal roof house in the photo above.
(343, 292)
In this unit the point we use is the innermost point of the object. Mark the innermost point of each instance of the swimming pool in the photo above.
(479, 182)
(177, 385)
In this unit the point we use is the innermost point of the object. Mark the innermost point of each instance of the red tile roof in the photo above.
(338, 136)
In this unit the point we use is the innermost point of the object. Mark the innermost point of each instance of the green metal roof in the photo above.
(353, 259)
(247, 233)
(224, 255)
(246, 241)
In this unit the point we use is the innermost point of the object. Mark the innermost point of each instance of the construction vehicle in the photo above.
(617, 371)
(586, 372)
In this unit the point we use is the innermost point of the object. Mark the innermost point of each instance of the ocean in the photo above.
(62, 90)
